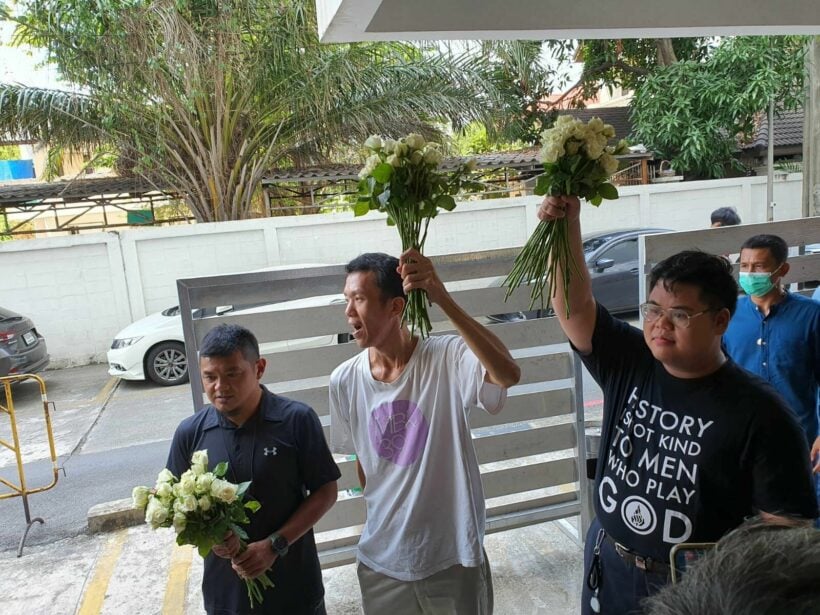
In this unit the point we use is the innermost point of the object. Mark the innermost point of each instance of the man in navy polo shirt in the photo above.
(278, 445)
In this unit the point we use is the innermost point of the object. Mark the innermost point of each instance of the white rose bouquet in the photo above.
(577, 161)
(201, 506)
(401, 178)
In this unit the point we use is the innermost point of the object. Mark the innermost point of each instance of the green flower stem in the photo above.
(539, 261)
(256, 587)
(412, 227)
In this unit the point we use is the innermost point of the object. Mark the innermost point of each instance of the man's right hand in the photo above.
(554, 207)
(229, 547)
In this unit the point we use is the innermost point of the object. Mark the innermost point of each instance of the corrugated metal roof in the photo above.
(22, 192)
(511, 160)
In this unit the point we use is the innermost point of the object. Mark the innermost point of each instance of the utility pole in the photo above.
(811, 131)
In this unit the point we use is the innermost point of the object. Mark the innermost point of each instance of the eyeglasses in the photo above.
(678, 317)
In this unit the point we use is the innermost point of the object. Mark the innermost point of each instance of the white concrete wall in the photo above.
(81, 290)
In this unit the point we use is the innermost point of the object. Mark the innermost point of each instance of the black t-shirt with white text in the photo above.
(686, 460)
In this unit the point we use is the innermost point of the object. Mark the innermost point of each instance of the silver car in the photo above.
(22, 349)
(612, 260)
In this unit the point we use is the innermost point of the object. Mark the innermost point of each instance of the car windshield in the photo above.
(593, 243)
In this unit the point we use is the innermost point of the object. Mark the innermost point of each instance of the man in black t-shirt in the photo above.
(691, 443)
(278, 445)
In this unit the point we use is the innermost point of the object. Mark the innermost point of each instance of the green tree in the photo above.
(205, 96)
(693, 112)
(695, 97)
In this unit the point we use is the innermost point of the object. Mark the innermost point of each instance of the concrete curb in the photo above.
(115, 515)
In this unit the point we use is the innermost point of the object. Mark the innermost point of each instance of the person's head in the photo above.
(754, 570)
(374, 297)
(692, 296)
(725, 216)
(231, 368)
(763, 264)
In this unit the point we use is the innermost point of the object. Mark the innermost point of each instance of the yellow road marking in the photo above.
(175, 591)
(95, 594)
(100, 398)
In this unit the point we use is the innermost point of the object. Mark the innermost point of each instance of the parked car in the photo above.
(24, 347)
(612, 260)
(154, 347)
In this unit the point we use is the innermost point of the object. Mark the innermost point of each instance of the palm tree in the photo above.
(205, 98)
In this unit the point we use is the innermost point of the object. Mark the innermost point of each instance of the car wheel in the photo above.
(166, 364)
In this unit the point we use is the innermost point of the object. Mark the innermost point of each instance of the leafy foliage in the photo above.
(692, 112)
(205, 96)
(401, 178)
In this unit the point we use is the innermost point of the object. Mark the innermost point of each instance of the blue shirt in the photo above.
(783, 348)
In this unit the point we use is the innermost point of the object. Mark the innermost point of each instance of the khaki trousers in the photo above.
(454, 591)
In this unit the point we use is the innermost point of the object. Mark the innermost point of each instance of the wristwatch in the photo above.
(279, 544)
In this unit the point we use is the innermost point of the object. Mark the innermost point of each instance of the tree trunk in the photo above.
(811, 131)
(666, 53)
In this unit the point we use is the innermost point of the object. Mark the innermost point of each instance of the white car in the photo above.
(154, 347)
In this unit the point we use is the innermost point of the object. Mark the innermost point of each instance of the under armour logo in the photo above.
(270, 451)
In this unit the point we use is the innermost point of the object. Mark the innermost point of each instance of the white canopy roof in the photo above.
(363, 20)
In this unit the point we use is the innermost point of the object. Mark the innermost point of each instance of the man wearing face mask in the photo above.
(776, 334)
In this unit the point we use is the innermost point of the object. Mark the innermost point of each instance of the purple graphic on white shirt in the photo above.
(398, 431)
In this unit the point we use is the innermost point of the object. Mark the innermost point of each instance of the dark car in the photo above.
(24, 347)
(612, 260)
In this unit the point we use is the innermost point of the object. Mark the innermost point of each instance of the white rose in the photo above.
(608, 131)
(200, 458)
(204, 503)
(155, 513)
(390, 146)
(139, 495)
(573, 147)
(187, 484)
(373, 142)
(203, 482)
(432, 156)
(187, 504)
(179, 522)
(165, 476)
(394, 160)
(414, 141)
(416, 157)
(223, 490)
(608, 163)
(164, 491)
(401, 149)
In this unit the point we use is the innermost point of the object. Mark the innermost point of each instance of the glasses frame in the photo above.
(665, 312)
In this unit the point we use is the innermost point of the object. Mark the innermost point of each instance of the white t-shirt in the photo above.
(425, 502)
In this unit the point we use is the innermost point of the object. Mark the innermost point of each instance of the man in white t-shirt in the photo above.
(402, 406)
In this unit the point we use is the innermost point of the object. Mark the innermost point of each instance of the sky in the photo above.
(24, 64)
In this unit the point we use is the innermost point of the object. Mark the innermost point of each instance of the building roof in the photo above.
(34, 192)
(618, 117)
(788, 131)
(524, 159)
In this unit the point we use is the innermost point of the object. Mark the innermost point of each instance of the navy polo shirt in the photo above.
(783, 348)
(282, 451)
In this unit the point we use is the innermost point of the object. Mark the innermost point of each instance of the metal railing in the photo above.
(22, 490)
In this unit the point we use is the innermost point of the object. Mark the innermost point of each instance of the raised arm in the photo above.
(418, 272)
(581, 322)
